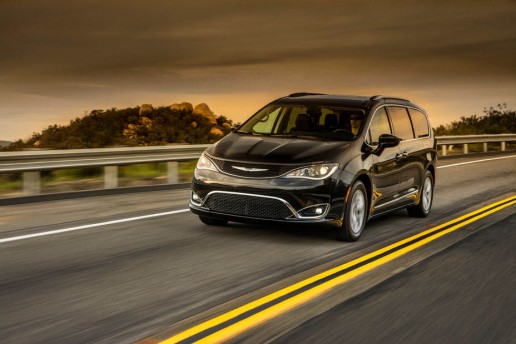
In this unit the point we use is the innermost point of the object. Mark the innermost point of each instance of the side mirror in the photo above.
(388, 140)
(384, 141)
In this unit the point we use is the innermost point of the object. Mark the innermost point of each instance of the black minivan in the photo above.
(320, 159)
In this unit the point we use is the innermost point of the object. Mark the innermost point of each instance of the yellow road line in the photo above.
(255, 319)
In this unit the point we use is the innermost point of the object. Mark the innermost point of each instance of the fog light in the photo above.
(196, 199)
(313, 211)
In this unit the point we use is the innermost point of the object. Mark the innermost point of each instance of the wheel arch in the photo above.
(431, 169)
(366, 180)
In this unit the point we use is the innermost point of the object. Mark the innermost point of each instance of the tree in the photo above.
(498, 120)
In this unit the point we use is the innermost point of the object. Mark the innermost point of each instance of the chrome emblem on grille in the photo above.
(250, 169)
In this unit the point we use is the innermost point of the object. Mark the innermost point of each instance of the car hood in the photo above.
(276, 149)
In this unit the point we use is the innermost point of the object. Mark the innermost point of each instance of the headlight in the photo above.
(314, 171)
(205, 163)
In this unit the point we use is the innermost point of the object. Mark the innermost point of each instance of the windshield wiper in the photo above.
(318, 137)
(252, 133)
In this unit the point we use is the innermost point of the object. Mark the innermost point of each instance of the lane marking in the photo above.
(21, 237)
(236, 321)
(472, 162)
(93, 225)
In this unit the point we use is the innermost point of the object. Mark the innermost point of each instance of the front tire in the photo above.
(426, 198)
(355, 215)
(210, 221)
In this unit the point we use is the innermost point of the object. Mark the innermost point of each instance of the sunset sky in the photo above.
(60, 59)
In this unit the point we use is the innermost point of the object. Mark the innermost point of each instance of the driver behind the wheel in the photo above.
(356, 121)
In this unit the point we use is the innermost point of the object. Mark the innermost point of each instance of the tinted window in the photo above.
(309, 121)
(265, 124)
(401, 122)
(419, 123)
(379, 125)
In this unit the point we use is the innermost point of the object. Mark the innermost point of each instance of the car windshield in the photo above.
(306, 121)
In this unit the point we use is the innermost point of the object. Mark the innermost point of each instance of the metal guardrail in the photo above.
(465, 140)
(31, 163)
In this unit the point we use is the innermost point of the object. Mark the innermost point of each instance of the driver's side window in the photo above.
(379, 125)
(266, 123)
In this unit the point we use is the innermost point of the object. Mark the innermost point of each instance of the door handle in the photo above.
(401, 156)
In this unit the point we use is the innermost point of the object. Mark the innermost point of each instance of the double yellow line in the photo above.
(234, 322)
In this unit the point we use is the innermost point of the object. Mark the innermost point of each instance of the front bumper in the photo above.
(326, 222)
(268, 200)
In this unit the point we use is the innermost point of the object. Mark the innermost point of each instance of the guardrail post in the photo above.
(173, 172)
(465, 148)
(110, 177)
(31, 183)
(485, 146)
(443, 147)
(503, 146)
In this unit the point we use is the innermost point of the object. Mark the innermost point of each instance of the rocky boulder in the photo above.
(146, 109)
(203, 110)
(216, 132)
(184, 106)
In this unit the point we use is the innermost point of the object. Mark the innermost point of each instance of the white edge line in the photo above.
(35, 235)
(21, 237)
(472, 162)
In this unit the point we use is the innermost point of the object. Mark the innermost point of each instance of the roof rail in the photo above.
(378, 97)
(301, 94)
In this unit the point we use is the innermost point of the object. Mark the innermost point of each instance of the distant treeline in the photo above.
(499, 120)
(129, 127)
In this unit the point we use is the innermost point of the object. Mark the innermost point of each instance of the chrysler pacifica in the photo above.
(320, 159)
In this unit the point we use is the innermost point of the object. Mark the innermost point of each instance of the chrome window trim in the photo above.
(404, 106)
(428, 126)
(369, 124)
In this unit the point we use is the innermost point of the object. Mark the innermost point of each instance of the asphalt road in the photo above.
(464, 294)
(124, 281)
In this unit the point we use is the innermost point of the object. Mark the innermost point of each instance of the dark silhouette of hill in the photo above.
(137, 126)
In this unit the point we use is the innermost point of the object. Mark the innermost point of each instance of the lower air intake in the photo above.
(246, 205)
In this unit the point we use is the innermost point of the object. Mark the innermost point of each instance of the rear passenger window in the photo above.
(379, 125)
(419, 123)
(401, 122)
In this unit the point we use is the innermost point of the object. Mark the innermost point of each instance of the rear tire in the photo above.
(355, 214)
(210, 221)
(426, 198)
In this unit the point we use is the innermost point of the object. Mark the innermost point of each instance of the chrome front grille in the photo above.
(248, 205)
(249, 170)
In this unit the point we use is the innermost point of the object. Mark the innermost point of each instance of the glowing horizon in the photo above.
(66, 59)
